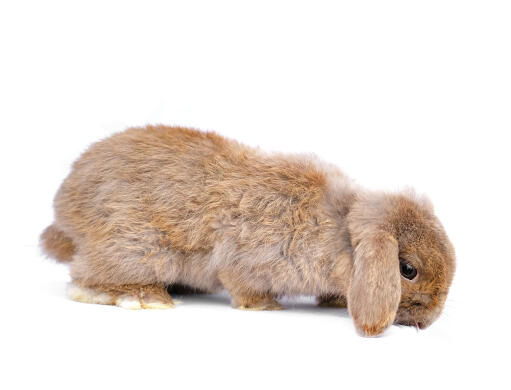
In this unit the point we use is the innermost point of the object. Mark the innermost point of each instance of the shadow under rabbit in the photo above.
(291, 305)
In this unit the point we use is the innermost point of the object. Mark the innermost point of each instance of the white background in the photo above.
(396, 93)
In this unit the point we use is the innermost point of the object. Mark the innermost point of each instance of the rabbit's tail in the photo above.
(56, 244)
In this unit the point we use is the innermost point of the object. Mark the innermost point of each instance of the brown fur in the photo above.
(167, 205)
(142, 291)
(244, 297)
(56, 244)
(333, 301)
(145, 296)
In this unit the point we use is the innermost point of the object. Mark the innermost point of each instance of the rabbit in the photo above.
(158, 206)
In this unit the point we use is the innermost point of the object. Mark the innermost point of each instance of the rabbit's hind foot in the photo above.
(130, 296)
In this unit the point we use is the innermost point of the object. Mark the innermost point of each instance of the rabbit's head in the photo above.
(403, 262)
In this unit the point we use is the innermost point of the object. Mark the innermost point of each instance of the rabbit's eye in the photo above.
(408, 271)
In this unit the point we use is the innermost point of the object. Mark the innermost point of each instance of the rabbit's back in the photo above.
(189, 189)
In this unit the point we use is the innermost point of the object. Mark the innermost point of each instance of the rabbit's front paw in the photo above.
(337, 301)
(256, 303)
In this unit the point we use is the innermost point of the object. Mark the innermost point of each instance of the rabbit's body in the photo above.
(157, 206)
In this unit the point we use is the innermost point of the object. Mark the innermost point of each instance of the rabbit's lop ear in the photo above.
(375, 288)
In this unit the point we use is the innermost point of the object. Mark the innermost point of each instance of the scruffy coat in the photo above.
(152, 207)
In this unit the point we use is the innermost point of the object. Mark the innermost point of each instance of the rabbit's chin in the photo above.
(417, 324)
(420, 318)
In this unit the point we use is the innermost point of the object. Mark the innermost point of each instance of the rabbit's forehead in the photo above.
(424, 243)
(433, 281)
(427, 242)
(429, 259)
(435, 257)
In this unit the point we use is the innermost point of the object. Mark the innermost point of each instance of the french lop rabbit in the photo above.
(151, 207)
